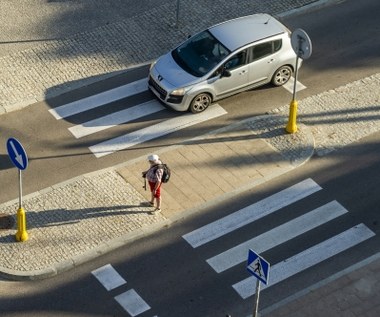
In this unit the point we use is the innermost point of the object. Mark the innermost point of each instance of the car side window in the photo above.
(236, 61)
(277, 44)
(265, 49)
(261, 50)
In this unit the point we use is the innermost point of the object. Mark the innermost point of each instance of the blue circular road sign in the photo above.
(17, 153)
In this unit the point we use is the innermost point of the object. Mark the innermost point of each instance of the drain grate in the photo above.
(6, 221)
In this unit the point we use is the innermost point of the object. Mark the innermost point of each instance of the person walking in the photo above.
(154, 177)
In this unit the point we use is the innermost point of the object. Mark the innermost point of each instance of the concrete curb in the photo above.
(319, 4)
(78, 260)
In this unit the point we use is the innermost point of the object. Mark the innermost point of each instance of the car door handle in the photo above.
(271, 61)
(242, 72)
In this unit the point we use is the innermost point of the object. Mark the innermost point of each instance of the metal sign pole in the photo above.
(20, 189)
(295, 80)
(257, 296)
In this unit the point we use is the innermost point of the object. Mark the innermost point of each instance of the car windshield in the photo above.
(200, 54)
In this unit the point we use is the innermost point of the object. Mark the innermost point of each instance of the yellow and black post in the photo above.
(302, 46)
(291, 127)
(21, 234)
(292, 122)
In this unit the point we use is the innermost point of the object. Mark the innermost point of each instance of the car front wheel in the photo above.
(200, 103)
(282, 75)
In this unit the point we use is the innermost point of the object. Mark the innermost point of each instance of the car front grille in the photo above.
(163, 93)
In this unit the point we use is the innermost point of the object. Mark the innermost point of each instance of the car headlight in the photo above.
(152, 65)
(178, 92)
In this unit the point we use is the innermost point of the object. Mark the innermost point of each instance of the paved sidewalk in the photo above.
(350, 293)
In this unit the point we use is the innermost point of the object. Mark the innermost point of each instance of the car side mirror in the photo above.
(225, 73)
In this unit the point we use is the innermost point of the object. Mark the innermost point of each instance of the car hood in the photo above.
(173, 74)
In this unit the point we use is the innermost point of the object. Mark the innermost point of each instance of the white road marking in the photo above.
(155, 131)
(126, 115)
(121, 92)
(132, 302)
(277, 236)
(116, 118)
(289, 86)
(251, 213)
(100, 99)
(108, 277)
(307, 259)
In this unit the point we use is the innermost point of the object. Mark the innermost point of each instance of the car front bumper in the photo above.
(178, 103)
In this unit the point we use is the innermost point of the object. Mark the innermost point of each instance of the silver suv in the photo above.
(225, 59)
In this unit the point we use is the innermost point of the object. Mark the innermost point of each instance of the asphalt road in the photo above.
(175, 279)
(166, 271)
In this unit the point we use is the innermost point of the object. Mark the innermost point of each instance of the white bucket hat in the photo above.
(153, 158)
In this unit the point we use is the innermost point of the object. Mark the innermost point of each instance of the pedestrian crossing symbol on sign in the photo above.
(258, 266)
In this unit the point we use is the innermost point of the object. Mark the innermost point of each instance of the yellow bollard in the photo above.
(21, 234)
(292, 123)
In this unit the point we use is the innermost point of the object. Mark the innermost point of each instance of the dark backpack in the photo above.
(166, 174)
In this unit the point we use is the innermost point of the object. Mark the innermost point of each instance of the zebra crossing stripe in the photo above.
(132, 302)
(307, 258)
(108, 277)
(118, 93)
(116, 118)
(276, 236)
(290, 85)
(155, 131)
(100, 99)
(251, 213)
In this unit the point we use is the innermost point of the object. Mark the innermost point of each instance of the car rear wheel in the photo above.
(282, 75)
(200, 103)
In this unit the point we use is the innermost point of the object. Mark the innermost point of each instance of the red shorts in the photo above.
(158, 191)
